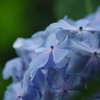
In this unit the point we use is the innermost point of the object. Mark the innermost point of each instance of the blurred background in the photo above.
(22, 18)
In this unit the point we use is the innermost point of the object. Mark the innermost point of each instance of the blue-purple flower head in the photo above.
(59, 63)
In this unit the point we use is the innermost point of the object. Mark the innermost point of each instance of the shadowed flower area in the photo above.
(61, 62)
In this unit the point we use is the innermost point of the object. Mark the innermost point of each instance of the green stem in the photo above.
(88, 6)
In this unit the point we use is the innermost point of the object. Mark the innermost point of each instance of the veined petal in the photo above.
(63, 44)
(77, 64)
(39, 82)
(72, 81)
(59, 54)
(93, 65)
(95, 40)
(62, 63)
(51, 40)
(13, 91)
(38, 62)
(32, 94)
(55, 79)
(81, 47)
(62, 34)
(61, 24)
(26, 82)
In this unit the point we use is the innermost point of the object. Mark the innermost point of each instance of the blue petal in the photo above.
(59, 54)
(62, 63)
(95, 40)
(39, 82)
(32, 94)
(39, 60)
(14, 68)
(93, 65)
(81, 22)
(72, 81)
(62, 34)
(13, 91)
(82, 47)
(55, 78)
(51, 40)
(48, 95)
(77, 64)
(61, 24)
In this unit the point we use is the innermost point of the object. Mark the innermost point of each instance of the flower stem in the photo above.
(88, 6)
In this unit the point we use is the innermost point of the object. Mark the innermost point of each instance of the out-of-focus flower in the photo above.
(15, 69)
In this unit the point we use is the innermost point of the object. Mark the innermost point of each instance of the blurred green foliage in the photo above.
(22, 18)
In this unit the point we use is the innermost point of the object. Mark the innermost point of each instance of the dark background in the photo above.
(22, 18)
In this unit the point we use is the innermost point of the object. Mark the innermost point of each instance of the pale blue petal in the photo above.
(12, 66)
(63, 44)
(18, 43)
(68, 20)
(9, 96)
(62, 34)
(86, 37)
(72, 81)
(94, 18)
(55, 79)
(51, 41)
(38, 62)
(59, 54)
(39, 37)
(32, 94)
(77, 64)
(95, 40)
(26, 82)
(81, 23)
(62, 63)
(61, 24)
(41, 49)
(20, 49)
(37, 41)
(39, 82)
(82, 47)
(13, 91)
(93, 66)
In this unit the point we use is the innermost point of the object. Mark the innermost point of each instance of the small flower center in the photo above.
(80, 28)
(95, 53)
(65, 91)
(19, 97)
(49, 95)
(51, 46)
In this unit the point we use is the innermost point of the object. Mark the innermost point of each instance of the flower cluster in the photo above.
(60, 63)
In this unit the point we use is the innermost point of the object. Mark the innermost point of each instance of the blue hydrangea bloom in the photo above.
(60, 63)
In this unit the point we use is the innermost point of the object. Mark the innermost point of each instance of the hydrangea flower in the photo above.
(85, 59)
(60, 63)
(15, 69)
